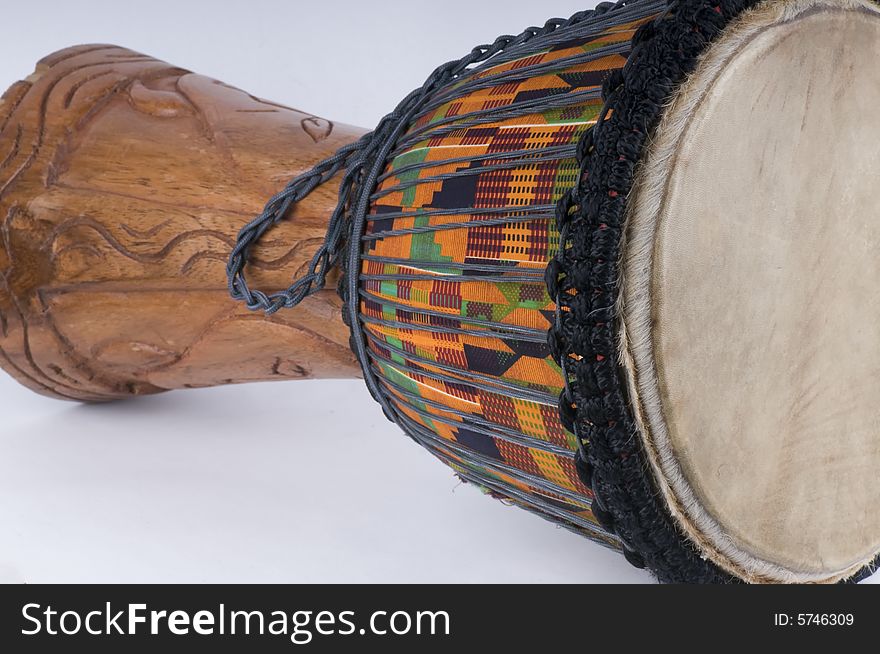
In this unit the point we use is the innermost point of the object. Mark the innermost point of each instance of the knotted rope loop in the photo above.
(355, 159)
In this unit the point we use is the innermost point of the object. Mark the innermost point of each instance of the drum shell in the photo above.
(453, 301)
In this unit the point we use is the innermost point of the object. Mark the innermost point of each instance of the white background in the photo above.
(282, 482)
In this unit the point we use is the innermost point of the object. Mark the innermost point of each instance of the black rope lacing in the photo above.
(363, 163)
(582, 280)
(566, 210)
(355, 158)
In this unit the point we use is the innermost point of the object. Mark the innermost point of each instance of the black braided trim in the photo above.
(584, 279)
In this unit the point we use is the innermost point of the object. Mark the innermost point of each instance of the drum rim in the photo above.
(587, 337)
(637, 296)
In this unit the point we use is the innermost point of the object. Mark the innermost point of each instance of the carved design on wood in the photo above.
(123, 183)
(318, 128)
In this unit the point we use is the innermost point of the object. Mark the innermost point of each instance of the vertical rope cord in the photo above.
(360, 160)
(361, 341)
(366, 169)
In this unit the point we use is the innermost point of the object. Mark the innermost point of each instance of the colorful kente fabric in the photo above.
(453, 300)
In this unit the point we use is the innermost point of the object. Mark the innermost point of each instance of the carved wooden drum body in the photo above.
(621, 270)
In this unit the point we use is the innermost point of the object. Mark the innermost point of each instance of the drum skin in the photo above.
(453, 298)
(749, 305)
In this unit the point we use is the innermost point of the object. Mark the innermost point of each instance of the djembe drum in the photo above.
(621, 270)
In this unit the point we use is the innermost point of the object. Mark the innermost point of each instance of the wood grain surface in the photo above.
(123, 183)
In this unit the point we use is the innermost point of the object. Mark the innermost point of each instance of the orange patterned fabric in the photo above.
(453, 300)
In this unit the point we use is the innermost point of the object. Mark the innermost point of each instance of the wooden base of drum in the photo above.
(751, 329)
(123, 183)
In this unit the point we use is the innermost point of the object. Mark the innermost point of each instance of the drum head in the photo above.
(750, 295)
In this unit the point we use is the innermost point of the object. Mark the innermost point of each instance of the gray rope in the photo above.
(362, 161)
(475, 423)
